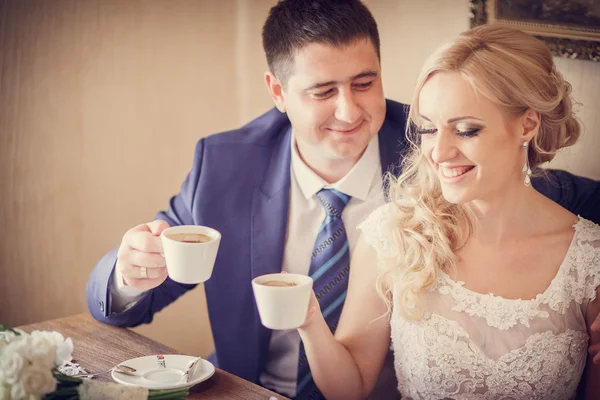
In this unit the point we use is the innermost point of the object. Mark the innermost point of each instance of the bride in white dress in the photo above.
(484, 288)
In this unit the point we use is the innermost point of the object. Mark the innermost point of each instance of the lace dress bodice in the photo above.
(481, 346)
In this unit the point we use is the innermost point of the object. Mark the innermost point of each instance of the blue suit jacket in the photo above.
(239, 184)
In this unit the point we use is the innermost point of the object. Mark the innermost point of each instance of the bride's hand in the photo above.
(313, 309)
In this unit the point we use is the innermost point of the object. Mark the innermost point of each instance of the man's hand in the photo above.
(140, 259)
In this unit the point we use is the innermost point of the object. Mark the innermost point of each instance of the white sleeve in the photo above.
(586, 257)
(122, 297)
(376, 231)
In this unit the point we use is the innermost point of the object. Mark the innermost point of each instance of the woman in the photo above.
(485, 287)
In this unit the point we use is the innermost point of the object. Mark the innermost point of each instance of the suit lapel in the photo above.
(270, 207)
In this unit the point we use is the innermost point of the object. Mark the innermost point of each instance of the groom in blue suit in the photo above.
(331, 129)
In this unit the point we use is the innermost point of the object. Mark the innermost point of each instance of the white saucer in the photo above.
(150, 375)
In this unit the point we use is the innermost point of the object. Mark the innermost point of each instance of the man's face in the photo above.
(334, 100)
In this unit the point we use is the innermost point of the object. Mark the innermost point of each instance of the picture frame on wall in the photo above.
(570, 28)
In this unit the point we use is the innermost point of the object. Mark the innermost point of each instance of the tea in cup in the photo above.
(190, 252)
(282, 299)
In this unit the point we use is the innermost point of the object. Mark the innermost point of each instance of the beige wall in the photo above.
(101, 102)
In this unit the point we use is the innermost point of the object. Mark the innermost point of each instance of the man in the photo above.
(266, 187)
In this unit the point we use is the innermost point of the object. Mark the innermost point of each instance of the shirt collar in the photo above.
(356, 183)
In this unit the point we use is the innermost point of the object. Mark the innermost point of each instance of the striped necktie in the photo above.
(329, 268)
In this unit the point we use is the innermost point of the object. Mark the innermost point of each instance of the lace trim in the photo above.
(587, 231)
(435, 358)
(588, 259)
(576, 280)
(498, 313)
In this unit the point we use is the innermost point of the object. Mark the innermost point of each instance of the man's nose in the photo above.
(347, 109)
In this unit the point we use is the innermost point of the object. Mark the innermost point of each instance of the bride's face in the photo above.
(474, 147)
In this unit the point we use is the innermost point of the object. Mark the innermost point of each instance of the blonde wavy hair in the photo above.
(516, 72)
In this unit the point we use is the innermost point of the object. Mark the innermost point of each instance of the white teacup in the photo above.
(188, 258)
(282, 306)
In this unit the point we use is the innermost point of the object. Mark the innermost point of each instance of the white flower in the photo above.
(36, 350)
(11, 365)
(27, 362)
(64, 347)
(5, 338)
(4, 391)
(35, 381)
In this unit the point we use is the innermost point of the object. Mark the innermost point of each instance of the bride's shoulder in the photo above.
(587, 231)
(379, 217)
(377, 228)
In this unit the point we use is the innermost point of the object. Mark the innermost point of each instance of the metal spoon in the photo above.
(123, 369)
(191, 369)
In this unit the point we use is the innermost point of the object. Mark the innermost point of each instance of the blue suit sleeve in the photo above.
(577, 194)
(98, 291)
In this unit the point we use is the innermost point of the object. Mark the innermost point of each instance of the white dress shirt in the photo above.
(306, 214)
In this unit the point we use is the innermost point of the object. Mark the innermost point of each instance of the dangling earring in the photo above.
(526, 170)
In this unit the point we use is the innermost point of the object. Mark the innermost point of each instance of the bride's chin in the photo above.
(455, 198)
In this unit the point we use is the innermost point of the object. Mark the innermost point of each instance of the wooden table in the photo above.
(98, 347)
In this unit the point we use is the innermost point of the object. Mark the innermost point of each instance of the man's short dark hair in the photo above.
(293, 24)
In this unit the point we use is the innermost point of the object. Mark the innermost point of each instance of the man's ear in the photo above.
(529, 125)
(275, 90)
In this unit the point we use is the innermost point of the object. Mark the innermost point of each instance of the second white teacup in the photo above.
(282, 299)
(190, 252)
